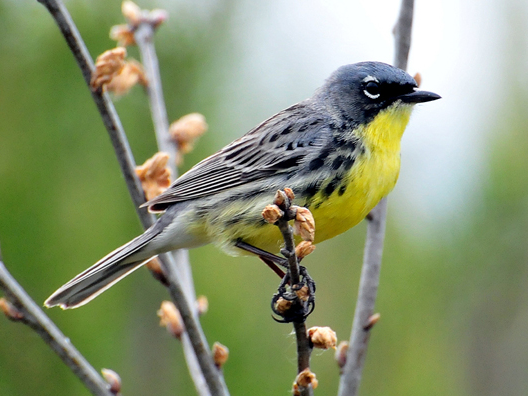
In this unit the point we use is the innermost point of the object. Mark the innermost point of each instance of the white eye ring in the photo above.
(367, 93)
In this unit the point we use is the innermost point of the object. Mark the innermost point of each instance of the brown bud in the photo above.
(220, 354)
(202, 305)
(341, 354)
(282, 305)
(113, 380)
(131, 12)
(186, 130)
(372, 320)
(322, 337)
(303, 293)
(280, 198)
(289, 193)
(303, 249)
(10, 310)
(123, 34)
(418, 79)
(131, 74)
(272, 213)
(154, 175)
(304, 379)
(170, 318)
(107, 66)
(304, 224)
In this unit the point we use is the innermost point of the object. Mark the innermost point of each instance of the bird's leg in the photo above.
(291, 303)
(265, 256)
(274, 267)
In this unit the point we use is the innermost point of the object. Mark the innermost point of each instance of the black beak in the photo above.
(418, 97)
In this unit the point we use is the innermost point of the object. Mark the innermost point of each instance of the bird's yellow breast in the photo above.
(373, 175)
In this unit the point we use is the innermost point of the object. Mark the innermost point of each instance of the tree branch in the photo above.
(368, 286)
(304, 349)
(144, 37)
(127, 164)
(34, 317)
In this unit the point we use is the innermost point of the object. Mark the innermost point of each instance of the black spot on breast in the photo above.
(350, 144)
(331, 186)
(290, 146)
(336, 164)
(316, 163)
(311, 189)
(347, 164)
(342, 189)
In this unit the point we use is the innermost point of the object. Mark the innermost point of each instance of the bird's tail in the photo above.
(103, 274)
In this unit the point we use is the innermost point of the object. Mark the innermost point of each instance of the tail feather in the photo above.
(103, 274)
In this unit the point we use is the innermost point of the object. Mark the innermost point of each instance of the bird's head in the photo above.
(360, 91)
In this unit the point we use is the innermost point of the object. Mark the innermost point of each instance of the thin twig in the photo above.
(304, 349)
(34, 317)
(303, 344)
(127, 163)
(368, 286)
(402, 34)
(144, 37)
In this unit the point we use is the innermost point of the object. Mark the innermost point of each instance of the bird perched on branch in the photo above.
(339, 151)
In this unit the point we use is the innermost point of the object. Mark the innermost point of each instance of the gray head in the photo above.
(358, 92)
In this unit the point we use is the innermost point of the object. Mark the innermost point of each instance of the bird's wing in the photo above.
(277, 145)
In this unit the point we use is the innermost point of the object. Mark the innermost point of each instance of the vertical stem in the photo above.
(368, 285)
(181, 268)
(368, 289)
(304, 348)
(144, 36)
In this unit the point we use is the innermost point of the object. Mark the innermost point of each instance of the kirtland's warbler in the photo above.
(339, 151)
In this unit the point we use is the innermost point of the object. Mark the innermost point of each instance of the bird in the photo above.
(339, 151)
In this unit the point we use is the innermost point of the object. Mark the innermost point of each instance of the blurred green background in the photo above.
(454, 287)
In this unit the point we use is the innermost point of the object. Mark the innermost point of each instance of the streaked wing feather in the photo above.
(277, 145)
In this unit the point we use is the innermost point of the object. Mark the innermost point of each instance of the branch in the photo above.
(127, 164)
(402, 34)
(181, 268)
(304, 347)
(368, 285)
(144, 36)
(30, 314)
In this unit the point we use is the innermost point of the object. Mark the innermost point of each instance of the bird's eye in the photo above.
(372, 90)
